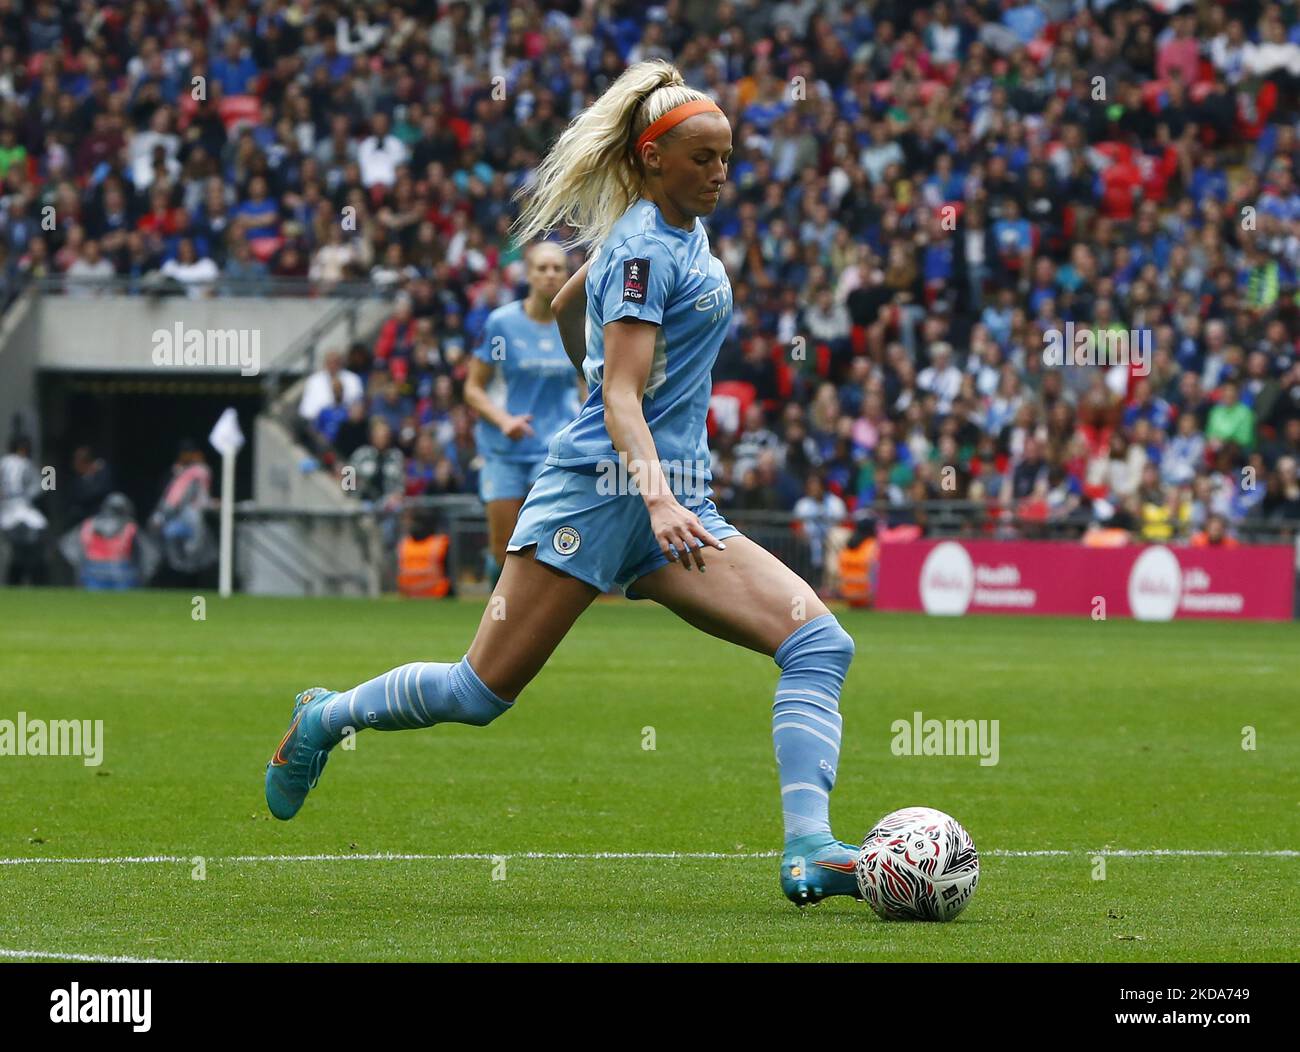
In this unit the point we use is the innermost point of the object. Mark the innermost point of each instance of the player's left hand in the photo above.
(680, 533)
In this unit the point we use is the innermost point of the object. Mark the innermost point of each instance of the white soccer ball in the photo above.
(918, 864)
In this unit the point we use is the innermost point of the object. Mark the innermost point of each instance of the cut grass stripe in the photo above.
(578, 856)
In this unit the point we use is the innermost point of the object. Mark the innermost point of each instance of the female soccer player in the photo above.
(521, 385)
(632, 174)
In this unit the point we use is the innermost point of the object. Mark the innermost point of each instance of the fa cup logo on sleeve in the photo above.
(636, 275)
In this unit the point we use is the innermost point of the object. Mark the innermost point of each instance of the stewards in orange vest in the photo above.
(422, 565)
(1215, 534)
(857, 561)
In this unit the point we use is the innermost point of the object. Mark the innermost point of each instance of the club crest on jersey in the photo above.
(566, 540)
(636, 277)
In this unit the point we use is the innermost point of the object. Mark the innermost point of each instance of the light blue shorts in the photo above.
(602, 538)
(507, 479)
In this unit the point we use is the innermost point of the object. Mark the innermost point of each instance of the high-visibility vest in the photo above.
(1157, 524)
(856, 567)
(106, 561)
(1105, 538)
(101, 549)
(1202, 540)
(421, 566)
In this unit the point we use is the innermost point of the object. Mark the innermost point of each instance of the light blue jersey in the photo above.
(533, 375)
(659, 273)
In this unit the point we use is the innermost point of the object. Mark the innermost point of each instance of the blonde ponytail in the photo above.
(590, 177)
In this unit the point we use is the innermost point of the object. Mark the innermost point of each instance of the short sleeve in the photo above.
(638, 279)
(483, 350)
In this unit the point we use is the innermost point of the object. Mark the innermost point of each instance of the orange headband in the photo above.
(674, 117)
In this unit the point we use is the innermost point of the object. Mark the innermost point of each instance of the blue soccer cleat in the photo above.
(817, 866)
(295, 768)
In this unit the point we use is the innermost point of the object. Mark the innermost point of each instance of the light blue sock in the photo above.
(416, 695)
(806, 721)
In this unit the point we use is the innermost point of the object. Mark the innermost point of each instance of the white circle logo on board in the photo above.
(947, 580)
(1155, 584)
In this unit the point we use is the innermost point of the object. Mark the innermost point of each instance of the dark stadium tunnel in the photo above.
(136, 422)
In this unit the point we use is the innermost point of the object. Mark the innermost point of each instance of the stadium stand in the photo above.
(920, 196)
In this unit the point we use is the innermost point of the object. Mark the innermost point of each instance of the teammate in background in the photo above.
(521, 384)
(632, 174)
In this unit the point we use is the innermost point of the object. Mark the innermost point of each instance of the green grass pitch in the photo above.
(1114, 736)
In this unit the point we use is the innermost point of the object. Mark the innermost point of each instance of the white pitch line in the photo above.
(1144, 853)
(89, 958)
(387, 856)
(122, 860)
(139, 860)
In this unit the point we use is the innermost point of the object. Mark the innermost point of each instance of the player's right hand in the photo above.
(680, 534)
(518, 427)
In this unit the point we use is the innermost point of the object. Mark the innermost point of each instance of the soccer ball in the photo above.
(918, 864)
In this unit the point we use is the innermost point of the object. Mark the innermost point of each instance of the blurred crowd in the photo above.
(919, 196)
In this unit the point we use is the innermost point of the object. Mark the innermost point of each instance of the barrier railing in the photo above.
(154, 283)
(353, 549)
(462, 519)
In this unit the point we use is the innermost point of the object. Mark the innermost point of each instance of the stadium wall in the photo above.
(307, 554)
(18, 350)
(118, 332)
